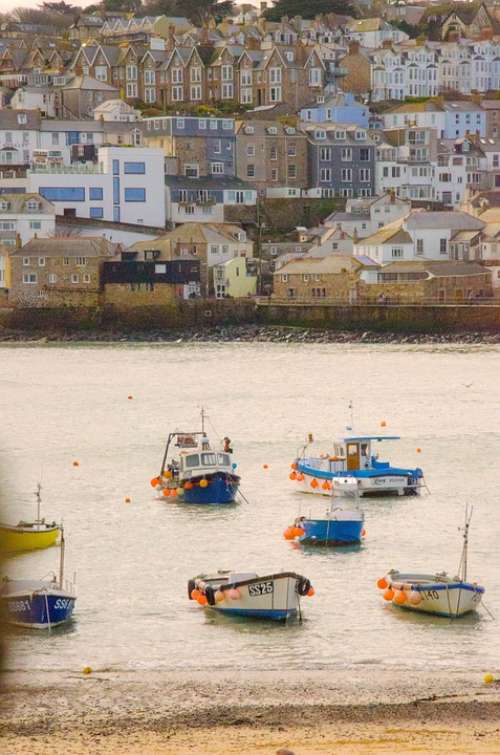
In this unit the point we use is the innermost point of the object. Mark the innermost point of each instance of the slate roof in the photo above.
(455, 220)
(80, 246)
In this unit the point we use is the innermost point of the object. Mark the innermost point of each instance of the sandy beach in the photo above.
(227, 712)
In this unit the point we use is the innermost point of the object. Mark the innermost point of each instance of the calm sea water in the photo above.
(133, 560)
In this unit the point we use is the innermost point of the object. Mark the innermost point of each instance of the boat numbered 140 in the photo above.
(270, 596)
(354, 468)
(198, 473)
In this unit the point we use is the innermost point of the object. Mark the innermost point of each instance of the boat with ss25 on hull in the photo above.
(354, 468)
(199, 473)
(29, 536)
(38, 603)
(269, 596)
(436, 594)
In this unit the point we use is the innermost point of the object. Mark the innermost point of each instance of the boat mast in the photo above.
(351, 415)
(61, 560)
(462, 569)
(38, 501)
(203, 420)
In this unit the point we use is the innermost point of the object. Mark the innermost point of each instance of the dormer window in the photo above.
(22, 119)
(33, 205)
(4, 205)
(340, 134)
(320, 134)
(360, 135)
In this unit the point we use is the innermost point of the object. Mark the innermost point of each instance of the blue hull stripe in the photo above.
(452, 586)
(323, 474)
(32, 609)
(274, 614)
(219, 490)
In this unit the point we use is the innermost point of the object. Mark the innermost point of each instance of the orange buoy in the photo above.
(311, 592)
(202, 600)
(294, 465)
(127, 500)
(314, 483)
(76, 463)
(389, 593)
(234, 594)
(167, 474)
(363, 532)
(130, 398)
(289, 533)
(400, 597)
(188, 485)
(219, 596)
(383, 423)
(414, 598)
(382, 583)
(419, 450)
(292, 475)
(173, 492)
(155, 481)
(265, 466)
(300, 477)
(298, 531)
(203, 483)
(166, 492)
(195, 594)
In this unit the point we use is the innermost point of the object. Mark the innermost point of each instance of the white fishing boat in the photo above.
(269, 596)
(438, 594)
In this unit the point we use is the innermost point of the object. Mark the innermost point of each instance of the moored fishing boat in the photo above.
(28, 536)
(436, 594)
(198, 473)
(355, 467)
(37, 603)
(339, 525)
(269, 596)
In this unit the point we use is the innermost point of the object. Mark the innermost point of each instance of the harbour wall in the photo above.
(206, 314)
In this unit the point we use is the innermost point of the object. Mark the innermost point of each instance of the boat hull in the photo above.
(321, 482)
(273, 597)
(443, 597)
(13, 539)
(37, 611)
(330, 532)
(221, 488)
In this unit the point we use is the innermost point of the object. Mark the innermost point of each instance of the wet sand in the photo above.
(343, 711)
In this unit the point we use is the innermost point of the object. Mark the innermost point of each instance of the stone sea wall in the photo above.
(244, 320)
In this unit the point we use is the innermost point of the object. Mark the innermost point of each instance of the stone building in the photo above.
(314, 279)
(58, 272)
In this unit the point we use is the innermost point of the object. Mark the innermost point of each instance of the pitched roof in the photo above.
(456, 220)
(9, 120)
(86, 82)
(333, 264)
(79, 246)
(18, 203)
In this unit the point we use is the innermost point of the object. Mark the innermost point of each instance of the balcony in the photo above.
(81, 168)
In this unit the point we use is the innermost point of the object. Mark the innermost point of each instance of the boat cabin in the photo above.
(355, 453)
(202, 462)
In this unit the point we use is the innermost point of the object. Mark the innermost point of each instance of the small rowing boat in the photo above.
(437, 594)
(270, 596)
(339, 525)
(28, 536)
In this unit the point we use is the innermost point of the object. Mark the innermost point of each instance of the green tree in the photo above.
(309, 9)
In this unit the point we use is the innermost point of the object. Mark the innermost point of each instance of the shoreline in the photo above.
(246, 334)
(360, 710)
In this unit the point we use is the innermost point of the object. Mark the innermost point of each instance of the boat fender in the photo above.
(191, 587)
(303, 586)
(210, 595)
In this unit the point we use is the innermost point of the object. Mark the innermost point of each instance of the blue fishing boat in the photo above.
(355, 468)
(198, 473)
(37, 604)
(339, 525)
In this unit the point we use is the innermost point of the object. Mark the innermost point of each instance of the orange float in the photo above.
(292, 475)
(314, 483)
(400, 597)
(382, 584)
(388, 594)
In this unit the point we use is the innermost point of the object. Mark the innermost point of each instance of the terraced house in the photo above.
(341, 160)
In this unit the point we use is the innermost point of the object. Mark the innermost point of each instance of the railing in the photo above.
(74, 169)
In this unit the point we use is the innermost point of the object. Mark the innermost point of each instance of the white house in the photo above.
(203, 199)
(25, 216)
(33, 98)
(386, 245)
(116, 110)
(125, 186)
(373, 32)
(363, 217)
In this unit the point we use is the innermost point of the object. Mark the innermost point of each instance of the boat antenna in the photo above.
(38, 496)
(351, 415)
(462, 567)
(203, 420)
(61, 559)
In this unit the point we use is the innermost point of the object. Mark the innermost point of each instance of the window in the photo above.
(180, 123)
(30, 278)
(274, 174)
(346, 153)
(81, 261)
(193, 460)
(196, 92)
(420, 246)
(116, 167)
(227, 73)
(135, 195)
(292, 171)
(325, 174)
(346, 174)
(131, 72)
(209, 460)
(250, 150)
(315, 77)
(397, 252)
(75, 278)
(364, 174)
(202, 124)
(325, 154)
(134, 168)
(55, 138)
(35, 225)
(176, 75)
(95, 193)
(41, 262)
(62, 194)
(52, 278)
(66, 261)
(443, 249)
(292, 150)
(284, 278)
(217, 146)
(291, 293)
(96, 212)
(177, 94)
(131, 90)
(86, 278)
(227, 91)
(364, 154)
(191, 170)
(217, 169)
(250, 171)
(275, 94)
(101, 73)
